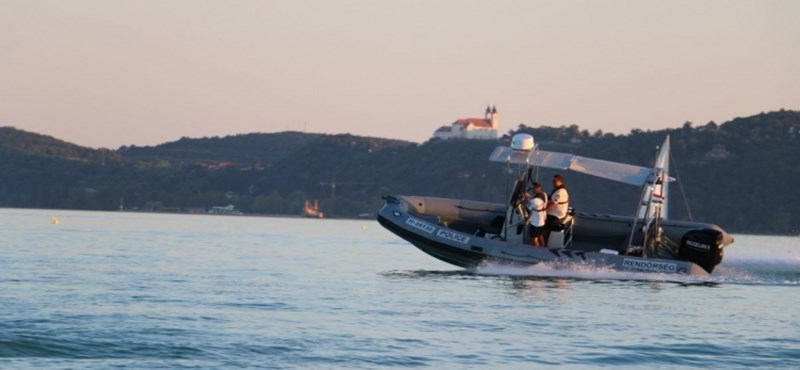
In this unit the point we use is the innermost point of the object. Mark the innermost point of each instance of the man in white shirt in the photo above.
(558, 205)
(537, 206)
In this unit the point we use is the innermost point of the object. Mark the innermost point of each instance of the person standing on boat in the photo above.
(558, 205)
(537, 207)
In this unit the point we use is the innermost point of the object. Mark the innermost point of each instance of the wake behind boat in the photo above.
(468, 233)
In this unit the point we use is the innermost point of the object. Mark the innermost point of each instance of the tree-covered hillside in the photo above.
(242, 149)
(739, 174)
(47, 146)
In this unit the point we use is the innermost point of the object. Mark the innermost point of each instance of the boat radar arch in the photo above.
(523, 142)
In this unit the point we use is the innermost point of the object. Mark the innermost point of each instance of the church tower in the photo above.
(488, 115)
(493, 117)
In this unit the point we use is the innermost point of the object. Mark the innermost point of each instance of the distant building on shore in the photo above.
(471, 128)
(224, 210)
(312, 211)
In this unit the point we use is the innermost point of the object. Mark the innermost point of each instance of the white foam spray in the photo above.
(736, 270)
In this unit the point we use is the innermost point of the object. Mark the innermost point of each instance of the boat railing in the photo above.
(568, 230)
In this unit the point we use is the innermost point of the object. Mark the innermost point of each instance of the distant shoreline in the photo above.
(277, 215)
(255, 215)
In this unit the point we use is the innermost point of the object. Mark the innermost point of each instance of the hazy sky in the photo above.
(107, 73)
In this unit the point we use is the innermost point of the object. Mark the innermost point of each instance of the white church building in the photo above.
(471, 128)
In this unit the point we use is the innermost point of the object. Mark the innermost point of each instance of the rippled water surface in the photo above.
(106, 290)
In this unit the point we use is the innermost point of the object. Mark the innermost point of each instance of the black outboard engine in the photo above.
(703, 247)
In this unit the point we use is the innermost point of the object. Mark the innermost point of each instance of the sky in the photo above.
(107, 73)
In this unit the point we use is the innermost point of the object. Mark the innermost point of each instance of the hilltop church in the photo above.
(471, 128)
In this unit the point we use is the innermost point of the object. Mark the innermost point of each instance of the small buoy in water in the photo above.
(55, 220)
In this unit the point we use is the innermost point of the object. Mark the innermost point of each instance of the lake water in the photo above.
(135, 290)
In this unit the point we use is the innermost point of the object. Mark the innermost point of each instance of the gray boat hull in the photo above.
(464, 233)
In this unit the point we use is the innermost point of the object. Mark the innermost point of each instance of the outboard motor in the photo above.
(703, 247)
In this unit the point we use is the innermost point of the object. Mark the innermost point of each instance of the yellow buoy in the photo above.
(55, 220)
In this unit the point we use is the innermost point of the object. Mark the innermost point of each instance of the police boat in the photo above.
(469, 233)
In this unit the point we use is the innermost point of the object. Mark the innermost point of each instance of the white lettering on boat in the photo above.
(649, 265)
(424, 226)
(697, 245)
(447, 234)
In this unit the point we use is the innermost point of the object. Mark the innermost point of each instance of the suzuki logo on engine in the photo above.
(697, 245)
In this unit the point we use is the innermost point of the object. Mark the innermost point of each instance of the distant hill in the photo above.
(248, 149)
(243, 149)
(740, 174)
(31, 143)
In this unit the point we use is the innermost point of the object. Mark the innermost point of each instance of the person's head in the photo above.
(537, 188)
(558, 180)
